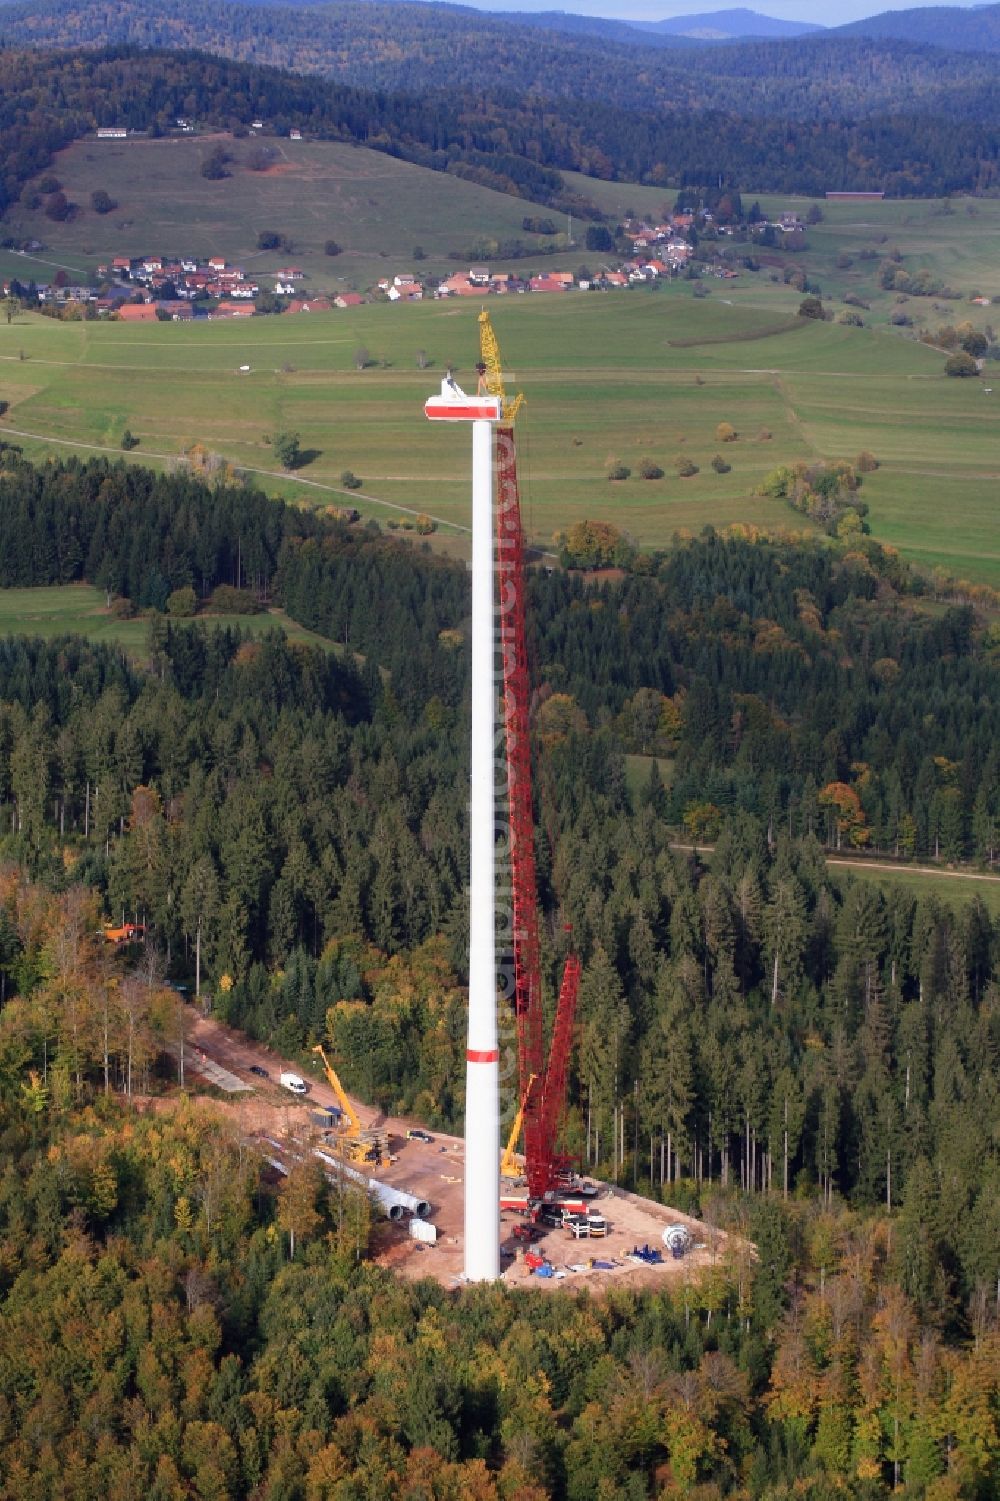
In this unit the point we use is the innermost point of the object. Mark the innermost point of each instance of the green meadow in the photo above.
(957, 240)
(607, 377)
(378, 209)
(956, 889)
(78, 609)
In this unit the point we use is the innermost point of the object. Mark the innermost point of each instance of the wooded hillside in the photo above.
(514, 104)
(801, 1059)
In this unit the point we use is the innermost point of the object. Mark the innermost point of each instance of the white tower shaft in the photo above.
(482, 1072)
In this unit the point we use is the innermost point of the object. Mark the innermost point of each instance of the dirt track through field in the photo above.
(859, 864)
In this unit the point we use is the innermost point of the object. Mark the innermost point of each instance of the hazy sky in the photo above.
(829, 14)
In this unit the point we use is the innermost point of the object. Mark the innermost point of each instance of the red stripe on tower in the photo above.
(463, 409)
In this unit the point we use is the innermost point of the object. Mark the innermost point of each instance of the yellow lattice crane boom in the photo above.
(508, 1162)
(489, 351)
(359, 1145)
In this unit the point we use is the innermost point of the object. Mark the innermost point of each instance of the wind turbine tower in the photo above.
(482, 1067)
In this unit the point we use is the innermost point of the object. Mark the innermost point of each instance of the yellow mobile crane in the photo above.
(353, 1142)
(508, 1162)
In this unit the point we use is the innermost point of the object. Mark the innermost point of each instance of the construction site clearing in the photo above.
(284, 1126)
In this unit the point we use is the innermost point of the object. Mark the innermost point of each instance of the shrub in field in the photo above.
(961, 365)
(229, 601)
(182, 603)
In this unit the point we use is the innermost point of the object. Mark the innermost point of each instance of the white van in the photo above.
(294, 1083)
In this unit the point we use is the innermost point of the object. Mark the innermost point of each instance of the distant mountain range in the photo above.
(727, 25)
(957, 28)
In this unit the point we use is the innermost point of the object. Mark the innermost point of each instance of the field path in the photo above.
(861, 864)
(60, 265)
(794, 420)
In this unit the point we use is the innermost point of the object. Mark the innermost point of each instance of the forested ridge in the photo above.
(800, 1058)
(352, 42)
(973, 30)
(495, 104)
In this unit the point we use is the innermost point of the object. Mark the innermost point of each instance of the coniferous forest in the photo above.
(764, 1040)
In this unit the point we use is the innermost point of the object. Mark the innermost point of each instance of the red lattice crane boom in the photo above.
(542, 1081)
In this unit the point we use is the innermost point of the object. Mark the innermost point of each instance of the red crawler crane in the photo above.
(542, 1081)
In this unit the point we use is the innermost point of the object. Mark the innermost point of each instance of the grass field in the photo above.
(618, 376)
(956, 889)
(77, 609)
(957, 240)
(377, 208)
(637, 769)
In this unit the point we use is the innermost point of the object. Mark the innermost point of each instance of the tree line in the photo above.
(797, 681)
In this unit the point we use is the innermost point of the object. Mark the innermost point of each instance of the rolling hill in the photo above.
(376, 207)
(730, 25)
(958, 28)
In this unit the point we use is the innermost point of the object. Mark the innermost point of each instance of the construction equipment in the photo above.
(350, 1138)
(508, 1163)
(543, 1080)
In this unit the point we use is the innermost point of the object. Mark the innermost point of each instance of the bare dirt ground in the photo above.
(435, 1171)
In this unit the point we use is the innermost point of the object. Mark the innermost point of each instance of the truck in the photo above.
(291, 1081)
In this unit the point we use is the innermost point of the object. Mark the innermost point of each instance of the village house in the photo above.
(549, 283)
(233, 310)
(314, 305)
(348, 299)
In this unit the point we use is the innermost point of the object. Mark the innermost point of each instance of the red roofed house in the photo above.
(547, 284)
(233, 310)
(314, 305)
(348, 299)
